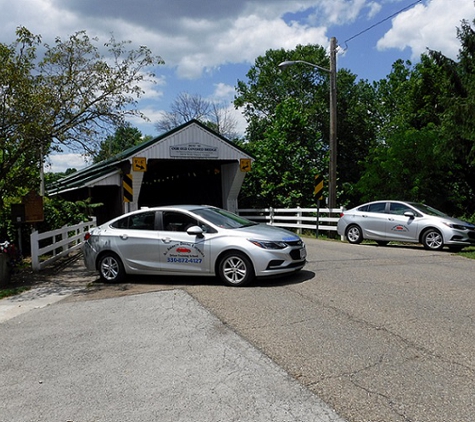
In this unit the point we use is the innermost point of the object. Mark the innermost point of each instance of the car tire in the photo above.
(432, 239)
(354, 234)
(235, 269)
(111, 269)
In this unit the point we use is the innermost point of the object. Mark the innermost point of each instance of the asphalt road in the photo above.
(378, 333)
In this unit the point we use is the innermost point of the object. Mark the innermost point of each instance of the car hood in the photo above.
(266, 232)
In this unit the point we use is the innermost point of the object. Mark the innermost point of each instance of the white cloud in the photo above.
(59, 163)
(432, 26)
(374, 9)
(342, 11)
(224, 92)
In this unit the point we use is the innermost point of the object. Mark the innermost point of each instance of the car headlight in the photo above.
(268, 244)
(455, 226)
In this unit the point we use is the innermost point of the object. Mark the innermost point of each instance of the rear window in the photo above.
(378, 207)
(141, 221)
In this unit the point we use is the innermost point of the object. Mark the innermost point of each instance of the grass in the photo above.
(12, 291)
(468, 252)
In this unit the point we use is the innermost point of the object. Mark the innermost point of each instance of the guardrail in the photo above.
(323, 219)
(59, 243)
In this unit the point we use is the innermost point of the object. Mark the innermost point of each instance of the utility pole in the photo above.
(332, 177)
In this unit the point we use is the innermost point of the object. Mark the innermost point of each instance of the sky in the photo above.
(209, 45)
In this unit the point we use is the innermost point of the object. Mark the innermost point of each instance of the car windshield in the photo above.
(428, 210)
(223, 218)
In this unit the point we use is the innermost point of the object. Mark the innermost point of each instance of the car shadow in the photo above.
(284, 279)
(172, 282)
(414, 246)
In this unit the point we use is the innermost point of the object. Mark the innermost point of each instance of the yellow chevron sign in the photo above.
(127, 188)
(318, 192)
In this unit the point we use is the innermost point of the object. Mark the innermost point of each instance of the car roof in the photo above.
(182, 207)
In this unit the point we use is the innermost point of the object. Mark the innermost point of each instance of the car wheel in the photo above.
(111, 268)
(235, 269)
(432, 239)
(354, 234)
(382, 242)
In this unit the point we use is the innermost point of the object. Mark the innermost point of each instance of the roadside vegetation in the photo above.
(468, 252)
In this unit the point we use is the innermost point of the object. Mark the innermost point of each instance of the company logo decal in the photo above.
(400, 228)
(183, 250)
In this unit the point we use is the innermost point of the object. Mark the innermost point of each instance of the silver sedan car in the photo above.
(191, 240)
(385, 221)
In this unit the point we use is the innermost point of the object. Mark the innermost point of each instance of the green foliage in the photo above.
(124, 137)
(59, 212)
(287, 160)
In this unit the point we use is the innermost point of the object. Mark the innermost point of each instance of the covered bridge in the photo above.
(188, 165)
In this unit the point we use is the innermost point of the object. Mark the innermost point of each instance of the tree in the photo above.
(187, 107)
(265, 99)
(458, 119)
(425, 150)
(68, 98)
(286, 161)
(124, 137)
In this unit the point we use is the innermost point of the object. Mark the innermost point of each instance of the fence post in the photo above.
(299, 219)
(271, 216)
(35, 259)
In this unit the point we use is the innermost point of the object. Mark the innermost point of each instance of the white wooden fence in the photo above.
(60, 242)
(297, 218)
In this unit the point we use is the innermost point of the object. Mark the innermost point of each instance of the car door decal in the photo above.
(184, 253)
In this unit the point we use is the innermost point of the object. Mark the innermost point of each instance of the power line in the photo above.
(380, 22)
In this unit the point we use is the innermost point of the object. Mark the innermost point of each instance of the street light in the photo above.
(333, 136)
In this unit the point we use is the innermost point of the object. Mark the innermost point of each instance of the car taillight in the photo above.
(342, 214)
(87, 236)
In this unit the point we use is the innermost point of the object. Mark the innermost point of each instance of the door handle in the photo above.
(124, 236)
(166, 240)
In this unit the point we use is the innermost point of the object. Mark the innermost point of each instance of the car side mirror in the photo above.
(195, 231)
(409, 214)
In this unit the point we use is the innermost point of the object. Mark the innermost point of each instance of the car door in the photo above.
(136, 241)
(373, 220)
(181, 252)
(400, 227)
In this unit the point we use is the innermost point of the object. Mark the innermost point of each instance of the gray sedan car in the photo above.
(385, 221)
(191, 240)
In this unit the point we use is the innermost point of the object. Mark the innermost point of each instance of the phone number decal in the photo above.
(185, 260)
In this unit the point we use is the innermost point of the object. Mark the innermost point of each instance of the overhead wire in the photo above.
(380, 22)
